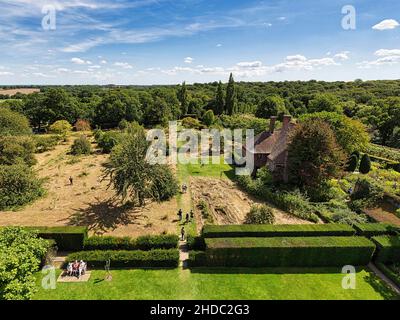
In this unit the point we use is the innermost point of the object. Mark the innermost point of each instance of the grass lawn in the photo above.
(221, 284)
(221, 170)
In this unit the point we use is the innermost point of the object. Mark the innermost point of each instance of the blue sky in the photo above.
(166, 42)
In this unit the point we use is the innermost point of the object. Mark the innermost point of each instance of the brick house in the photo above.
(269, 148)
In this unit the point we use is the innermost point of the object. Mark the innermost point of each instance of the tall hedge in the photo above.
(128, 259)
(289, 252)
(375, 229)
(66, 238)
(388, 248)
(127, 243)
(313, 230)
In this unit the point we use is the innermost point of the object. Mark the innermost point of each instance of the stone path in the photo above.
(385, 279)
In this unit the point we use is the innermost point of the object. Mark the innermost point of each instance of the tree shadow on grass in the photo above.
(104, 216)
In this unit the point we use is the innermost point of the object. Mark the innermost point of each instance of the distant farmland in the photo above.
(11, 92)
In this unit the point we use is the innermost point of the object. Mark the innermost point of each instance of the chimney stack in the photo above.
(286, 121)
(272, 122)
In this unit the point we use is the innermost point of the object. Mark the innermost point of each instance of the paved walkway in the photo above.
(382, 276)
(183, 254)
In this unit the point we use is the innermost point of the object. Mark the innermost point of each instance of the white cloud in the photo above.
(385, 57)
(219, 45)
(103, 61)
(188, 60)
(80, 61)
(344, 55)
(387, 52)
(6, 73)
(123, 65)
(387, 24)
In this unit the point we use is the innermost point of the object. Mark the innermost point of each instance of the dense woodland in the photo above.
(374, 103)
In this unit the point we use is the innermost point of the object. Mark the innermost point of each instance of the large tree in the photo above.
(350, 134)
(230, 96)
(133, 177)
(183, 98)
(314, 156)
(271, 106)
(324, 102)
(219, 100)
(13, 123)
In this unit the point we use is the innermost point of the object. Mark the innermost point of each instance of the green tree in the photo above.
(209, 118)
(17, 149)
(13, 123)
(135, 178)
(230, 96)
(183, 98)
(271, 106)
(21, 252)
(81, 146)
(260, 214)
(314, 156)
(352, 164)
(365, 164)
(350, 134)
(18, 186)
(324, 102)
(61, 127)
(219, 100)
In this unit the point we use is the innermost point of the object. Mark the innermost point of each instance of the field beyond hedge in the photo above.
(220, 284)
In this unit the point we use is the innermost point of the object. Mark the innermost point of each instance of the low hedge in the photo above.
(128, 259)
(66, 238)
(388, 272)
(388, 248)
(127, 243)
(375, 229)
(289, 251)
(312, 230)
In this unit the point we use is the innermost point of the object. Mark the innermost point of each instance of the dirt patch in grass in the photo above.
(385, 213)
(89, 201)
(227, 204)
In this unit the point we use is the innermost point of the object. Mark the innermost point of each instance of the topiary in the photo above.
(81, 146)
(365, 164)
(352, 164)
(260, 214)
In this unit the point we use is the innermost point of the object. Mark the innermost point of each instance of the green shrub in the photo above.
(197, 259)
(365, 164)
(128, 259)
(388, 248)
(108, 140)
(18, 186)
(13, 123)
(388, 272)
(289, 252)
(81, 146)
(45, 143)
(369, 191)
(82, 125)
(375, 229)
(157, 242)
(191, 123)
(20, 255)
(195, 243)
(66, 238)
(260, 214)
(209, 118)
(300, 230)
(17, 149)
(126, 243)
(61, 127)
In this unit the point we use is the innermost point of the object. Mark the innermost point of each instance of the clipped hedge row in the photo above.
(127, 243)
(312, 230)
(288, 251)
(388, 248)
(375, 229)
(195, 243)
(66, 238)
(128, 259)
(197, 259)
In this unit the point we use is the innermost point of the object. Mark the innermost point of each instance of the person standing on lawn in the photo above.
(183, 234)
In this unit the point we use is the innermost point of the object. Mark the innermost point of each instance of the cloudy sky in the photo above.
(164, 42)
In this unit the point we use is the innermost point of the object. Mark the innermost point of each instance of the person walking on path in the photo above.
(71, 181)
(187, 217)
(183, 234)
(180, 214)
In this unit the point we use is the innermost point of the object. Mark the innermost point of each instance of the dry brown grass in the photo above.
(88, 201)
(12, 92)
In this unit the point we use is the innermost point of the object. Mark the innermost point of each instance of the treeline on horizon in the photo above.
(374, 103)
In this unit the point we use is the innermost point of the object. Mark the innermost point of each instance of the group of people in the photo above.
(76, 268)
(188, 217)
